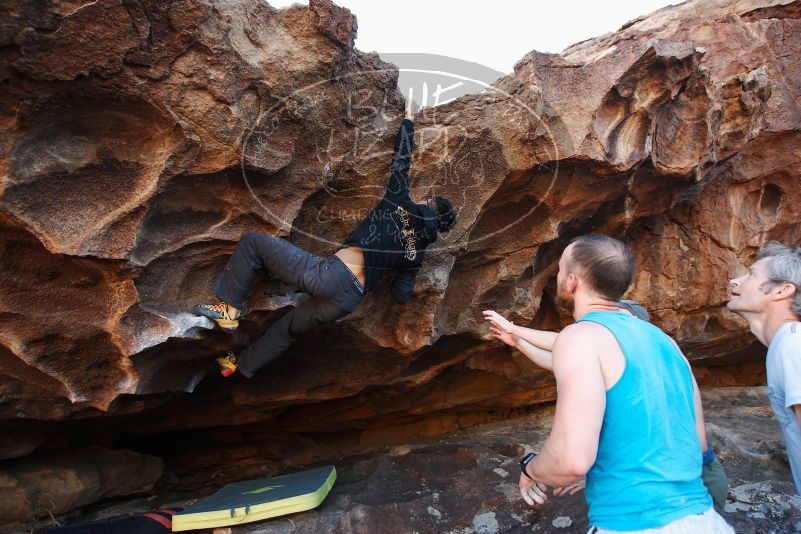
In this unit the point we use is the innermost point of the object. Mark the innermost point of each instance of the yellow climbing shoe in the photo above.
(219, 314)
(227, 364)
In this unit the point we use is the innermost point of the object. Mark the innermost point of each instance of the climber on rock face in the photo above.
(393, 237)
(628, 416)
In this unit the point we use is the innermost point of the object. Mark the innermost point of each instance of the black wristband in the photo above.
(525, 461)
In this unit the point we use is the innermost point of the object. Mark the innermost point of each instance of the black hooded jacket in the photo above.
(394, 236)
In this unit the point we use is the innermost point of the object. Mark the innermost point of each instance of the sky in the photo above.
(495, 34)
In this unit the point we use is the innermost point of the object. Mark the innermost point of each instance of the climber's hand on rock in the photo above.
(411, 109)
(533, 492)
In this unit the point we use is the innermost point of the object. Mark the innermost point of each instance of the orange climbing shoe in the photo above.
(219, 314)
(227, 364)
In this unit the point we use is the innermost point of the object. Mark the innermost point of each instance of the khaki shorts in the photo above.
(709, 522)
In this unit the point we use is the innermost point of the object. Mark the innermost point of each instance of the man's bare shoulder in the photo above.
(582, 333)
(583, 337)
(585, 342)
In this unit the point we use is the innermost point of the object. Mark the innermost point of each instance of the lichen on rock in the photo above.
(139, 140)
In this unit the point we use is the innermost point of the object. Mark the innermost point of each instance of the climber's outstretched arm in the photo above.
(398, 187)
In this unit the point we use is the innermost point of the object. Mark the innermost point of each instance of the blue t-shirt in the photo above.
(784, 389)
(647, 471)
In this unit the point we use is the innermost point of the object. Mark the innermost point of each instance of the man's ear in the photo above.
(784, 291)
(572, 283)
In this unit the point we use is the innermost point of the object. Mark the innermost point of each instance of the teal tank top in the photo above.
(648, 469)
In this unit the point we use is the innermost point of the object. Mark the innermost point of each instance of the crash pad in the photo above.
(255, 500)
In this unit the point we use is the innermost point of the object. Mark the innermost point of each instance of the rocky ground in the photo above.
(467, 482)
(140, 139)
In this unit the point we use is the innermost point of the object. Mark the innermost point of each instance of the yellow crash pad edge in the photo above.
(257, 512)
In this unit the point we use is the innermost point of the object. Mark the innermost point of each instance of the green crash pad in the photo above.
(254, 500)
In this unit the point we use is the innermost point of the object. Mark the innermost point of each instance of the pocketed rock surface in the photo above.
(140, 139)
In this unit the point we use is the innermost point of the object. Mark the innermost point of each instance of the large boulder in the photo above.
(51, 484)
(140, 139)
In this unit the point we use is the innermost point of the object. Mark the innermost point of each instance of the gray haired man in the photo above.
(768, 296)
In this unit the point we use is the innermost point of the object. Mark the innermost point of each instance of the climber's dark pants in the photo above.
(329, 282)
